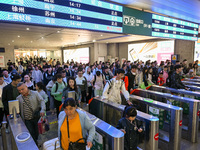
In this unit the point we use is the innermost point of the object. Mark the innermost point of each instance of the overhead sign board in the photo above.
(82, 14)
(136, 22)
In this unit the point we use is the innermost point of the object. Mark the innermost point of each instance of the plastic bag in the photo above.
(43, 125)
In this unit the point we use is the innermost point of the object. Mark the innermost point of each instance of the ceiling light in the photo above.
(94, 41)
(58, 31)
(42, 37)
(31, 41)
(18, 36)
(13, 41)
(27, 29)
(107, 42)
(8, 43)
(101, 34)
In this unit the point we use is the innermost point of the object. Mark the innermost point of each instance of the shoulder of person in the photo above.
(62, 115)
(19, 97)
(81, 113)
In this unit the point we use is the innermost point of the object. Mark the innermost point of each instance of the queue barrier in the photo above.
(190, 122)
(170, 135)
(101, 108)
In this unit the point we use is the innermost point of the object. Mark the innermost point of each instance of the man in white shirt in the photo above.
(37, 75)
(113, 87)
(111, 93)
(2, 84)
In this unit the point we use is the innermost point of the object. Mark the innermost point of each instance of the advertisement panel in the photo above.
(77, 55)
(197, 51)
(154, 51)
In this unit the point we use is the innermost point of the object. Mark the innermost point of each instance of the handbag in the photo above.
(75, 145)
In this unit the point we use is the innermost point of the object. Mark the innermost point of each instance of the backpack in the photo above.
(110, 82)
(96, 77)
(57, 86)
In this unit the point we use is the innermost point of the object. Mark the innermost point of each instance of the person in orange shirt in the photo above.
(78, 124)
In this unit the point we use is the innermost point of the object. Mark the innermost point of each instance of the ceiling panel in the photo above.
(47, 37)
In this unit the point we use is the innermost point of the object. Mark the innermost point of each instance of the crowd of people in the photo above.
(42, 85)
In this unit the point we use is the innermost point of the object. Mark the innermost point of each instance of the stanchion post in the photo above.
(3, 135)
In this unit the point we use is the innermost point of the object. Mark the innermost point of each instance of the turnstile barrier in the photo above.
(191, 124)
(100, 108)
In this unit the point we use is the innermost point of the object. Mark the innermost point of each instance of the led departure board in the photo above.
(83, 14)
(173, 28)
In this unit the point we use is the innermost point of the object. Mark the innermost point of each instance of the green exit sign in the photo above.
(137, 22)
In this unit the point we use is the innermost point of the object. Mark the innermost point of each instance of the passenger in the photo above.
(2, 85)
(132, 78)
(51, 98)
(97, 69)
(56, 91)
(165, 73)
(48, 75)
(81, 81)
(98, 83)
(79, 124)
(41, 88)
(6, 76)
(108, 74)
(30, 103)
(112, 89)
(89, 77)
(150, 72)
(28, 82)
(190, 74)
(161, 80)
(71, 86)
(131, 128)
(176, 79)
(37, 75)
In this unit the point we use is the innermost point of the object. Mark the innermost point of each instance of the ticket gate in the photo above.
(193, 87)
(172, 90)
(190, 121)
(100, 108)
(191, 80)
(170, 135)
(191, 83)
(113, 139)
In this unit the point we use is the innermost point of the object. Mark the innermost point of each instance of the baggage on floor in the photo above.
(50, 145)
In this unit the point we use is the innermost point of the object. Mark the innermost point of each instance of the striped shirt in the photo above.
(28, 110)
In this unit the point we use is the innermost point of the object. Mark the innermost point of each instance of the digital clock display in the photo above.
(173, 28)
(83, 14)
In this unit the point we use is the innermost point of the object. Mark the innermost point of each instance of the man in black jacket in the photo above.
(132, 77)
(176, 79)
(10, 92)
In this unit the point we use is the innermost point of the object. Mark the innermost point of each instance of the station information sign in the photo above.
(83, 14)
(173, 28)
(136, 22)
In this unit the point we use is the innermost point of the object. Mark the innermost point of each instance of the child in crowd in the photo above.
(160, 78)
(131, 128)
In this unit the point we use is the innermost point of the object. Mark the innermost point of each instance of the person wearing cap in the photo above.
(131, 128)
(190, 73)
(160, 80)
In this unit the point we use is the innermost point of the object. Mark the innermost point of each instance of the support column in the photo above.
(185, 49)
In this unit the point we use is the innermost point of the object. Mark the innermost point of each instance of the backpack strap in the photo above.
(94, 80)
(110, 82)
